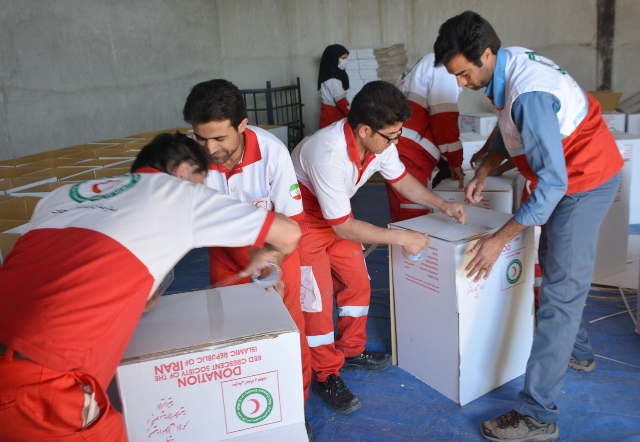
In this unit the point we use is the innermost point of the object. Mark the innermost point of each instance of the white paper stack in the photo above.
(370, 64)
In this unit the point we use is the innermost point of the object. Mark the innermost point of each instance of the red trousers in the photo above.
(227, 262)
(40, 404)
(339, 270)
(420, 164)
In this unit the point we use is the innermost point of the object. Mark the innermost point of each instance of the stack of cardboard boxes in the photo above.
(371, 64)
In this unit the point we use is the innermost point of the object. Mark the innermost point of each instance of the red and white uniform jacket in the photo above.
(328, 168)
(74, 286)
(433, 95)
(335, 105)
(264, 177)
(585, 134)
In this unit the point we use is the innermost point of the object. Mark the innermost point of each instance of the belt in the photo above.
(4, 350)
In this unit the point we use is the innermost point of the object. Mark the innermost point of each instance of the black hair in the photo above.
(379, 104)
(329, 66)
(166, 151)
(468, 34)
(214, 100)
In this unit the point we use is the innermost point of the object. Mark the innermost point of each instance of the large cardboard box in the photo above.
(615, 120)
(613, 238)
(502, 193)
(608, 99)
(630, 105)
(481, 123)
(7, 240)
(471, 143)
(460, 337)
(219, 364)
(633, 124)
(629, 146)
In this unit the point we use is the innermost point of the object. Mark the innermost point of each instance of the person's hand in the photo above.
(259, 257)
(413, 242)
(279, 288)
(457, 175)
(473, 190)
(485, 253)
(151, 302)
(477, 158)
(454, 210)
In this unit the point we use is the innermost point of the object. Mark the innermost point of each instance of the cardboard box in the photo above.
(481, 123)
(42, 190)
(471, 143)
(629, 145)
(166, 282)
(611, 255)
(608, 99)
(7, 240)
(281, 132)
(18, 208)
(615, 120)
(211, 365)
(502, 193)
(633, 124)
(462, 338)
(630, 105)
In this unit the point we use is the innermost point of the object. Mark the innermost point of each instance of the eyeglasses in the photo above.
(389, 139)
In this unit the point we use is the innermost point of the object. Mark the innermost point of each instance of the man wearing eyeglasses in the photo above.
(331, 165)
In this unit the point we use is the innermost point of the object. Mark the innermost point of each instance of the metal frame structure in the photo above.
(280, 106)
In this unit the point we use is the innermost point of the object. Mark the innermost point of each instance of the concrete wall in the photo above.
(74, 71)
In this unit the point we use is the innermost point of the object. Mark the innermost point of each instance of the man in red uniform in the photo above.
(331, 165)
(74, 286)
(251, 164)
(431, 131)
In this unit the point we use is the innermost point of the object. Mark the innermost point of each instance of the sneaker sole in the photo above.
(348, 410)
(587, 369)
(537, 438)
(350, 367)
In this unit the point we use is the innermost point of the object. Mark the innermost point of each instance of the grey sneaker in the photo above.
(515, 427)
(586, 366)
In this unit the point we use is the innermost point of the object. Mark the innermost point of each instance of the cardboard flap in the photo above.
(479, 222)
(608, 99)
(207, 319)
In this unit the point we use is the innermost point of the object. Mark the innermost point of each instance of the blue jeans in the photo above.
(567, 254)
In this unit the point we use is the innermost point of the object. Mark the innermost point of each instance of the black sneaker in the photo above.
(368, 360)
(514, 427)
(336, 395)
(586, 366)
(309, 431)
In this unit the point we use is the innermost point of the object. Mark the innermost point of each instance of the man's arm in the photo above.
(360, 231)
(282, 238)
(413, 190)
(542, 144)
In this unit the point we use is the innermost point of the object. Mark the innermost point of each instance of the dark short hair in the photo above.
(166, 151)
(214, 100)
(468, 34)
(379, 104)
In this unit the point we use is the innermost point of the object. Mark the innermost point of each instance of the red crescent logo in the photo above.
(96, 187)
(257, 404)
